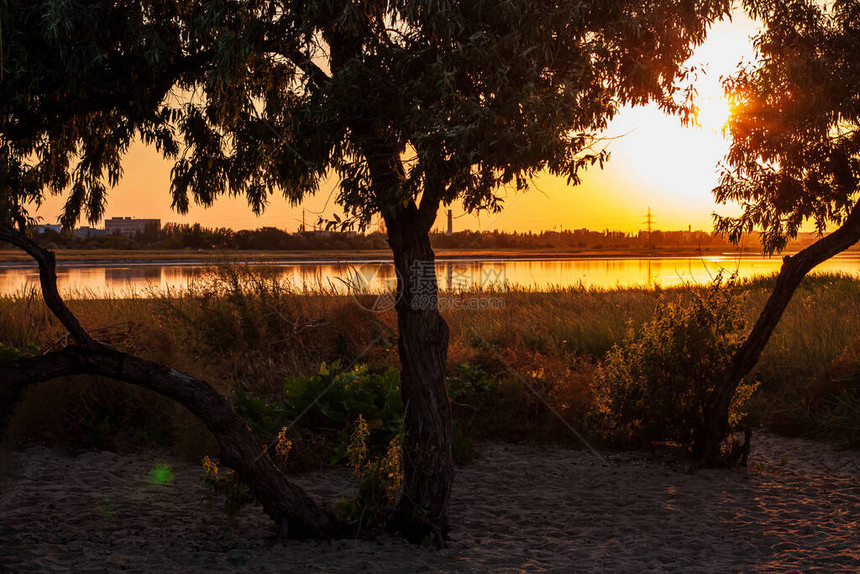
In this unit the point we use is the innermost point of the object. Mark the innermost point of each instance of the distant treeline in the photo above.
(576, 239)
(196, 237)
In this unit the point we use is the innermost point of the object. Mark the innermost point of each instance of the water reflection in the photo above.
(453, 275)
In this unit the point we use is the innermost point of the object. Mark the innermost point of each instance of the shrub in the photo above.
(225, 482)
(473, 387)
(380, 479)
(485, 400)
(333, 400)
(319, 412)
(367, 411)
(654, 387)
(338, 397)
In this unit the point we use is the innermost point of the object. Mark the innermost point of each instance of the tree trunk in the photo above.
(423, 344)
(287, 504)
(707, 444)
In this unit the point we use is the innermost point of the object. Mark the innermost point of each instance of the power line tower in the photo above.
(649, 220)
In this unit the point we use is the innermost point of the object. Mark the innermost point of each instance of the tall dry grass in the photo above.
(241, 326)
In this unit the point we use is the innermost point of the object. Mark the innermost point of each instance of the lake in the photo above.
(141, 278)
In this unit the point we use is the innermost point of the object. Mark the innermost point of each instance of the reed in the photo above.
(240, 326)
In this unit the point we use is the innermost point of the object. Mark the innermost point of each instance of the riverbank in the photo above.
(95, 257)
(515, 508)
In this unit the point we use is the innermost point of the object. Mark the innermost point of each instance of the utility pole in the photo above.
(649, 220)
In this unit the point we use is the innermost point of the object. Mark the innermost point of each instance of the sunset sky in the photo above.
(656, 162)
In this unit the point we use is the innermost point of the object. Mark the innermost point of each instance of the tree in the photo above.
(794, 158)
(79, 82)
(414, 104)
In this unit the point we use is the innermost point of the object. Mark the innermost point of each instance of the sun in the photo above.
(713, 113)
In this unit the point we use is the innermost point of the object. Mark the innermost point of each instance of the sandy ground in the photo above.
(516, 508)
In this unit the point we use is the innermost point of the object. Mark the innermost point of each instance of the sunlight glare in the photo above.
(713, 113)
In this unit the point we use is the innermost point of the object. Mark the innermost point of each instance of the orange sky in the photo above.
(656, 163)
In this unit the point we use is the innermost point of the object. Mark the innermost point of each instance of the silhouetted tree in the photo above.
(412, 103)
(795, 130)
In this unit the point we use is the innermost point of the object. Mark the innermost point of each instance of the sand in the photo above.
(516, 508)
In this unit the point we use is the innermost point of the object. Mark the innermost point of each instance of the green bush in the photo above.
(333, 400)
(472, 386)
(485, 398)
(654, 387)
(364, 408)
(334, 396)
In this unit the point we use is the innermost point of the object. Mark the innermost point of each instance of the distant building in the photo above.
(130, 225)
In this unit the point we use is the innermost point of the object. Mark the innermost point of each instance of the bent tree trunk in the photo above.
(707, 444)
(423, 344)
(298, 514)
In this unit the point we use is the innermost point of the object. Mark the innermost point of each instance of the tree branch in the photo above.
(48, 279)
(61, 109)
(428, 208)
(286, 503)
(299, 59)
(793, 270)
(707, 444)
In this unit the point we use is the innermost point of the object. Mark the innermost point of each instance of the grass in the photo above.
(242, 328)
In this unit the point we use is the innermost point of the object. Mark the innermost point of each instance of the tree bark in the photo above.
(298, 515)
(423, 344)
(428, 467)
(706, 446)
